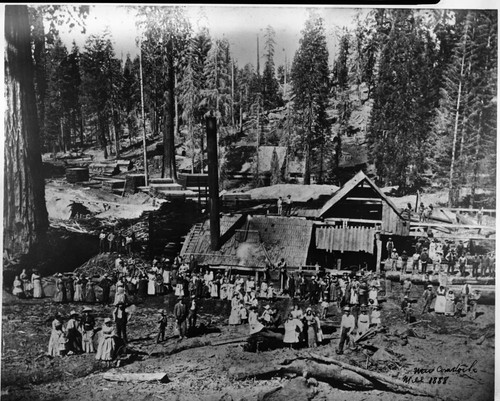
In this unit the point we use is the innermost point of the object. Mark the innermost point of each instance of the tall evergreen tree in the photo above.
(310, 80)
(270, 86)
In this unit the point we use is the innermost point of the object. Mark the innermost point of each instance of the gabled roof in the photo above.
(349, 186)
(253, 242)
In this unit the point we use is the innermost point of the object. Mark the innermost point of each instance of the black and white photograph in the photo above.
(249, 202)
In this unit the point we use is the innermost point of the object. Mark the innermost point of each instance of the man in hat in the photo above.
(288, 202)
(180, 317)
(427, 296)
(105, 284)
(162, 321)
(347, 325)
(406, 309)
(193, 313)
(73, 334)
(121, 317)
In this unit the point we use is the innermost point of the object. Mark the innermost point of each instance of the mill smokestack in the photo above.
(213, 182)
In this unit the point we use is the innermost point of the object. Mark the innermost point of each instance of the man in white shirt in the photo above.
(347, 325)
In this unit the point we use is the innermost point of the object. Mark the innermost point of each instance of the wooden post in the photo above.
(213, 182)
(378, 242)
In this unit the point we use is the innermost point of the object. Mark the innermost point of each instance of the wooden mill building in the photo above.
(347, 231)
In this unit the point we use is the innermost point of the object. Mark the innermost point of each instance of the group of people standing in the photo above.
(445, 301)
(28, 286)
(433, 255)
(78, 335)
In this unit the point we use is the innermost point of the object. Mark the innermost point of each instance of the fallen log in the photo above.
(136, 377)
(197, 343)
(392, 383)
(337, 376)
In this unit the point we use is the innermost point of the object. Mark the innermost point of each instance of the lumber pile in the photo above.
(133, 182)
(77, 174)
(113, 184)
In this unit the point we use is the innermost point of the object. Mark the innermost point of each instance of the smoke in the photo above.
(245, 252)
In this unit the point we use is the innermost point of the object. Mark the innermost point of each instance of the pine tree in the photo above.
(270, 86)
(311, 87)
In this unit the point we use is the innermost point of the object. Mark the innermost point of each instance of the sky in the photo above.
(239, 24)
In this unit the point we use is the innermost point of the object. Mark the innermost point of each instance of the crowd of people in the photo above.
(352, 296)
(432, 255)
(441, 300)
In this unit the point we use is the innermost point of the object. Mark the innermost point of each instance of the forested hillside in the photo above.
(410, 97)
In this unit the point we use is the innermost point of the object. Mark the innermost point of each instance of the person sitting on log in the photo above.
(347, 325)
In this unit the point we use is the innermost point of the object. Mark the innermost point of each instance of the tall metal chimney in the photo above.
(213, 182)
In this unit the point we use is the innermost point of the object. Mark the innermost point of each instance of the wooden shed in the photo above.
(354, 221)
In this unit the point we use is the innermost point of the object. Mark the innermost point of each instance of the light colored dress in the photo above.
(152, 284)
(449, 309)
(78, 297)
(363, 323)
(179, 290)
(319, 332)
(60, 291)
(234, 317)
(18, 287)
(292, 331)
(440, 305)
(36, 281)
(375, 317)
(263, 290)
(106, 346)
(57, 341)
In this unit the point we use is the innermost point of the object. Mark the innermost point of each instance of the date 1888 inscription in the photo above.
(439, 374)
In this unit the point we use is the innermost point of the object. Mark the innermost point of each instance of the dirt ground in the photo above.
(203, 373)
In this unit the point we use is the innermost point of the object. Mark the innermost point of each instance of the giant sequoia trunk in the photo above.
(25, 213)
(169, 168)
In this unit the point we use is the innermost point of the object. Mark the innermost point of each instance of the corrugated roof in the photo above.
(252, 242)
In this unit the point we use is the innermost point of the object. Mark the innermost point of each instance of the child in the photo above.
(243, 313)
(162, 321)
(324, 308)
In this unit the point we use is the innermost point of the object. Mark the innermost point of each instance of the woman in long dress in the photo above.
(319, 332)
(60, 294)
(363, 321)
(17, 288)
(36, 281)
(106, 347)
(120, 296)
(78, 284)
(311, 328)
(440, 305)
(90, 297)
(234, 317)
(151, 283)
(449, 309)
(292, 331)
(223, 289)
(57, 341)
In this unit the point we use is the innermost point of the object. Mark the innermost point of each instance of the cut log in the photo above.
(334, 375)
(392, 383)
(136, 377)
